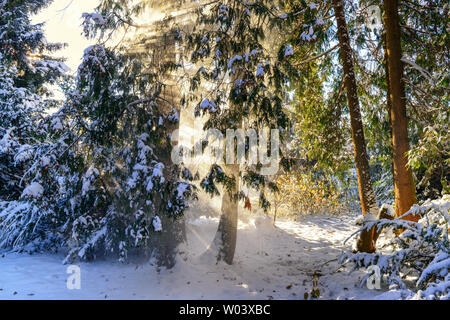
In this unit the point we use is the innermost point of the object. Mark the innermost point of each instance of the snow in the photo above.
(98, 235)
(57, 124)
(182, 188)
(45, 66)
(204, 104)
(174, 116)
(234, 59)
(157, 225)
(259, 71)
(250, 54)
(308, 36)
(288, 51)
(34, 190)
(149, 186)
(388, 209)
(97, 18)
(442, 205)
(45, 161)
(320, 22)
(441, 266)
(223, 9)
(89, 177)
(429, 293)
(359, 221)
(270, 263)
(88, 50)
(158, 171)
(208, 105)
(24, 153)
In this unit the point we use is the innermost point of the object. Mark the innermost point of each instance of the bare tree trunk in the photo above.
(225, 239)
(404, 189)
(382, 215)
(366, 194)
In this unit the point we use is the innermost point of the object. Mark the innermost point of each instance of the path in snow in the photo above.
(270, 263)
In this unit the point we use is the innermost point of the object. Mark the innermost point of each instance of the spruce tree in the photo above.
(314, 28)
(232, 46)
(101, 182)
(27, 68)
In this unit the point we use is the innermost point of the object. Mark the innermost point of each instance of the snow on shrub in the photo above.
(157, 225)
(34, 190)
(422, 251)
(288, 51)
(24, 228)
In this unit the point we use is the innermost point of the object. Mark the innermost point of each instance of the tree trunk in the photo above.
(382, 215)
(225, 239)
(404, 189)
(366, 194)
(388, 93)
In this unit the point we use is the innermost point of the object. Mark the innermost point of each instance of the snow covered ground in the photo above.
(270, 263)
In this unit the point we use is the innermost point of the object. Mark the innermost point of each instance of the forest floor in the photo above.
(270, 263)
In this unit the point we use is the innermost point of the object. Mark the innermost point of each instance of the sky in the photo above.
(63, 24)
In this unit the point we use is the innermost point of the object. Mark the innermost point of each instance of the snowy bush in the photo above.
(24, 227)
(421, 251)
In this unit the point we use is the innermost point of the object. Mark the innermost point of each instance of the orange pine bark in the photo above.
(404, 189)
(366, 193)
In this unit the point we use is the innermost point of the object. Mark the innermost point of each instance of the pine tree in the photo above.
(232, 49)
(101, 180)
(321, 116)
(405, 193)
(161, 37)
(425, 58)
(366, 193)
(26, 69)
